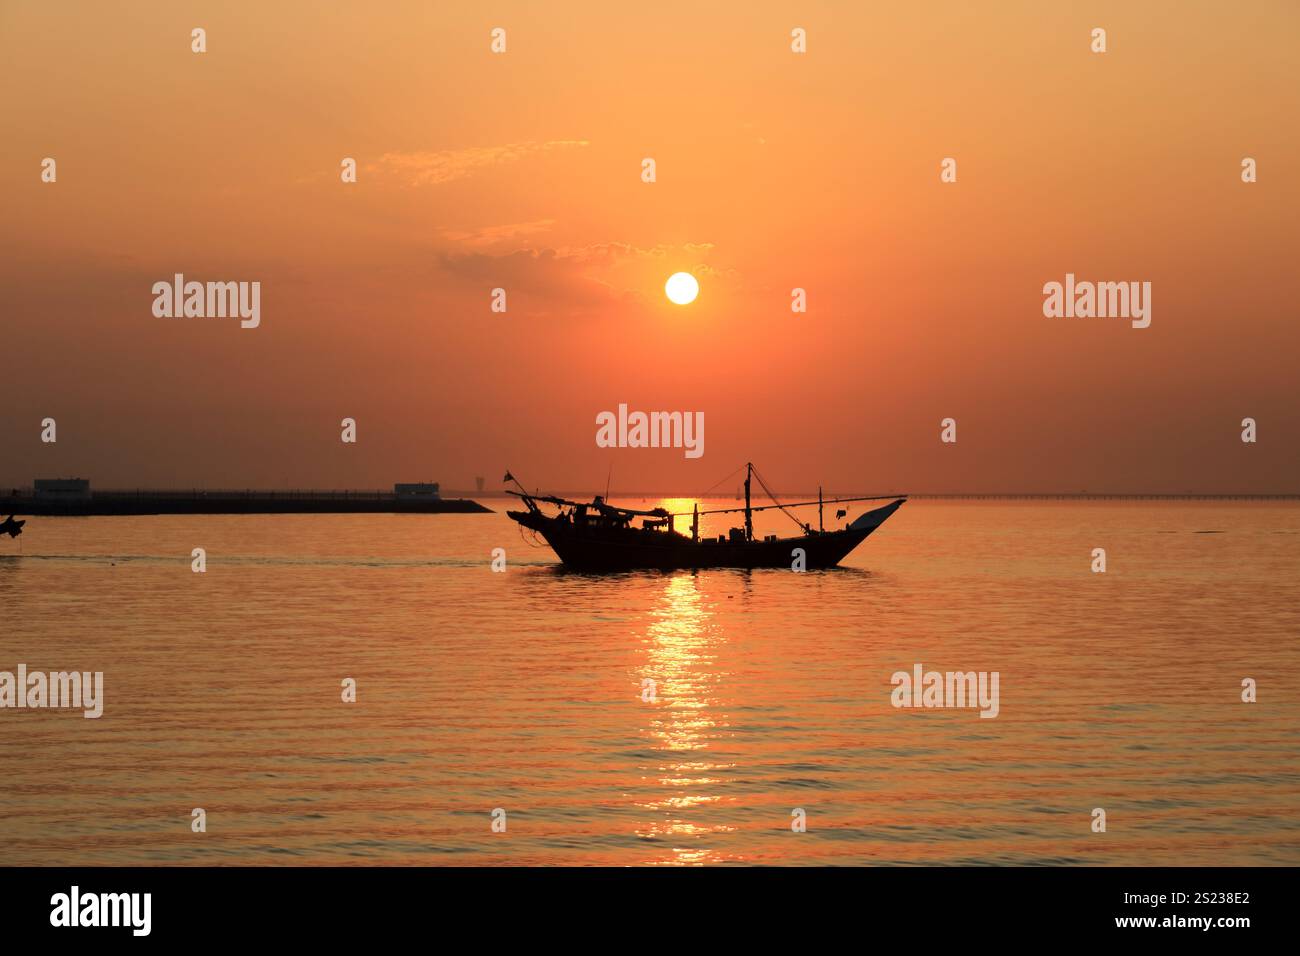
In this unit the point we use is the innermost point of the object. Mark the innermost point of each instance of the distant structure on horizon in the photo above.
(479, 483)
(421, 490)
(62, 489)
(72, 496)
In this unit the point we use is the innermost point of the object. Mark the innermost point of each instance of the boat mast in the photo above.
(749, 512)
(695, 524)
(820, 526)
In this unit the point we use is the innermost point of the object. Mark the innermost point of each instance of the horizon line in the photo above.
(28, 490)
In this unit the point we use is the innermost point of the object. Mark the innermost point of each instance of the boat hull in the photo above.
(624, 549)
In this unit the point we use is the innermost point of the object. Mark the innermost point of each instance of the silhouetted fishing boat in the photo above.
(597, 536)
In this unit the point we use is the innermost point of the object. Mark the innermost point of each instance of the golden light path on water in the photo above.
(684, 720)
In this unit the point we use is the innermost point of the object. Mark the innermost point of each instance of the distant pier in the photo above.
(246, 502)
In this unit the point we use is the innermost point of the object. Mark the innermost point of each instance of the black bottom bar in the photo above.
(979, 907)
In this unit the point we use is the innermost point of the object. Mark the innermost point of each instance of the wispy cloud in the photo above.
(610, 252)
(569, 280)
(545, 280)
(486, 237)
(595, 255)
(432, 168)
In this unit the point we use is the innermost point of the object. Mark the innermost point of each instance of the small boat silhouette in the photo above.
(597, 536)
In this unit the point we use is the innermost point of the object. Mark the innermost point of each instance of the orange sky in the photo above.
(775, 170)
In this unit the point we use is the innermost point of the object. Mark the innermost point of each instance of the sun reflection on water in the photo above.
(684, 722)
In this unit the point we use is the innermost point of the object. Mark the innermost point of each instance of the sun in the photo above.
(681, 288)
